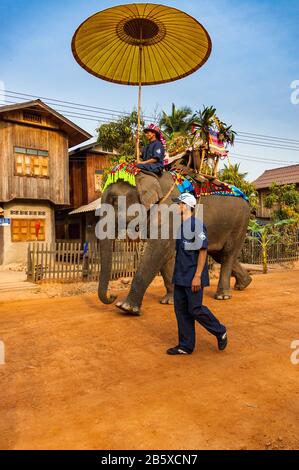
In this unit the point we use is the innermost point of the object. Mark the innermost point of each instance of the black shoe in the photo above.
(222, 342)
(176, 351)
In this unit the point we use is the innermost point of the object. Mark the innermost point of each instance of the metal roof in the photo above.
(284, 175)
(91, 207)
(93, 146)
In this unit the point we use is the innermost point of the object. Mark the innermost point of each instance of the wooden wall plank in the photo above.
(54, 188)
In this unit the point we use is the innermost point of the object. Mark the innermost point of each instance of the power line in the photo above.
(106, 117)
(250, 158)
(74, 114)
(79, 115)
(75, 107)
(111, 112)
(263, 162)
(266, 137)
(282, 147)
(105, 120)
(262, 159)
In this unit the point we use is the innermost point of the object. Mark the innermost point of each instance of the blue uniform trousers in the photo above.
(153, 167)
(188, 308)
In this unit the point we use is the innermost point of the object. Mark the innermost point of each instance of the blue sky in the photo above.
(255, 58)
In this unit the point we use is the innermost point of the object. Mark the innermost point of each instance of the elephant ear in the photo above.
(148, 189)
(151, 188)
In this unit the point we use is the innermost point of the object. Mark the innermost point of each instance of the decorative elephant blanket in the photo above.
(189, 185)
(128, 172)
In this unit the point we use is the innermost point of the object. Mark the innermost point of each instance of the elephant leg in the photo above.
(222, 293)
(167, 273)
(155, 254)
(223, 289)
(243, 279)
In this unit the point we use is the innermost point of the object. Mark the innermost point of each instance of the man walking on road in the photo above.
(190, 277)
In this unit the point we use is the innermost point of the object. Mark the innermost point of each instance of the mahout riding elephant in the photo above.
(226, 219)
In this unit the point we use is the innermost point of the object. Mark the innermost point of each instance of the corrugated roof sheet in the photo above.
(284, 175)
(91, 146)
(91, 207)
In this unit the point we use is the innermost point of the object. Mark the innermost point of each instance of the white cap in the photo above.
(186, 198)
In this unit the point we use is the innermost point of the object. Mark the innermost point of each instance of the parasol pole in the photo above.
(139, 100)
(139, 107)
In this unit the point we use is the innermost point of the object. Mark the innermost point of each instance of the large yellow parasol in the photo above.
(141, 44)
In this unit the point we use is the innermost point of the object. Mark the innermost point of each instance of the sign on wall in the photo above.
(4, 222)
(27, 213)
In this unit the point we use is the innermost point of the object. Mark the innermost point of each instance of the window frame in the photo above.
(24, 154)
(30, 237)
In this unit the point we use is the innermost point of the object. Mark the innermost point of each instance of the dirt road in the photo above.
(81, 375)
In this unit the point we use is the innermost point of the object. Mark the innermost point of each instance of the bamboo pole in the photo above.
(216, 166)
(139, 100)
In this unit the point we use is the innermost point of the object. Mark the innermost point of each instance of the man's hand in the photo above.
(196, 283)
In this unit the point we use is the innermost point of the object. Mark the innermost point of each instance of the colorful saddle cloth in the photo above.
(186, 184)
(128, 171)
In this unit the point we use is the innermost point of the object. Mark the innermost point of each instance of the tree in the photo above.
(286, 199)
(204, 121)
(231, 174)
(266, 236)
(225, 133)
(120, 135)
(178, 122)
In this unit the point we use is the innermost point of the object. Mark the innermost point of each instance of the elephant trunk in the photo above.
(105, 272)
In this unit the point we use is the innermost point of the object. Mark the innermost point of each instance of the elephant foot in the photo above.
(128, 308)
(223, 296)
(167, 300)
(243, 285)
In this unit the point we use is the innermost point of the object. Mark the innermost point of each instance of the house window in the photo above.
(31, 162)
(108, 149)
(98, 180)
(28, 230)
(20, 150)
(32, 117)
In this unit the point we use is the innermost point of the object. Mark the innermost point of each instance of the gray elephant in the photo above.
(226, 219)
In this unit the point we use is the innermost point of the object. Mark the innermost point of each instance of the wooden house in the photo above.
(281, 176)
(34, 174)
(87, 164)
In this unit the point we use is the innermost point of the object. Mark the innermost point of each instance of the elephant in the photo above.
(226, 219)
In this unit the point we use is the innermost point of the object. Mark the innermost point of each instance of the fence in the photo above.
(68, 261)
(277, 253)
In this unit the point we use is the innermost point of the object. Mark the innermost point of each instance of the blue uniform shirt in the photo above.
(187, 252)
(154, 150)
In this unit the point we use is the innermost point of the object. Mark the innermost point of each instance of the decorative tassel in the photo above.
(120, 173)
